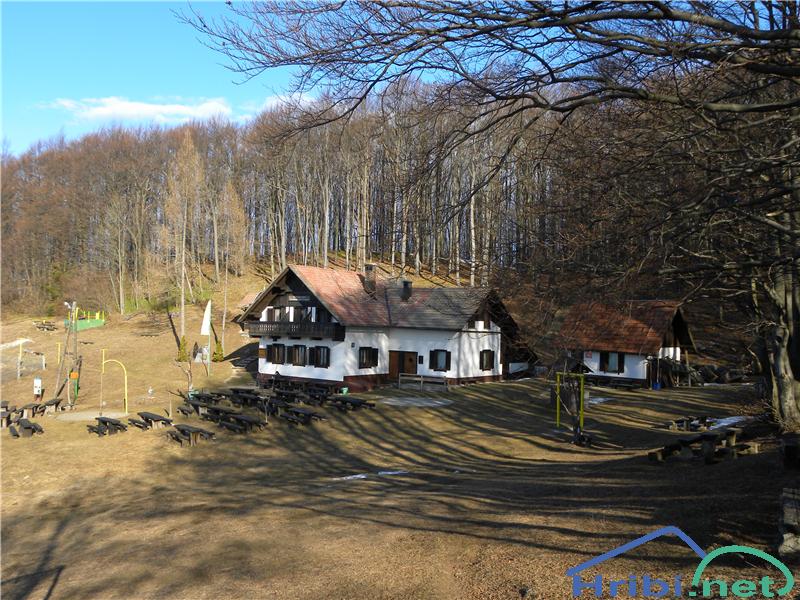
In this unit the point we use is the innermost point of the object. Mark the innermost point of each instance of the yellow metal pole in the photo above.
(59, 353)
(125, 373)
(102, 372)
(558, 400)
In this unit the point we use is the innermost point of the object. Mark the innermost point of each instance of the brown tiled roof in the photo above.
(342, 293)
(434, 308)
(633, 327)
(247, 300)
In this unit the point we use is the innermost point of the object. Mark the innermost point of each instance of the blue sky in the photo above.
(74, 67)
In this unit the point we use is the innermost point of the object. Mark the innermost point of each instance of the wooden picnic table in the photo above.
(155, 421)
(287, 395)
(249, 422)
(346, 402)
(216, 412)
(51, 406)
(5, 419)
(193, 434)
(30, 410)
(305, 413)
(112, 425)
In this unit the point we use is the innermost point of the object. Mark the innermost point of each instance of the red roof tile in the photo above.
(342, 293)
(634, 327)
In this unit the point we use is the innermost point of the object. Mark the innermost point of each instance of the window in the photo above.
(297, 355)
(439, 360)
(612, 362)
(319, 356)
(276, 353)
(487, 360)
(262, 352)
(367, 357)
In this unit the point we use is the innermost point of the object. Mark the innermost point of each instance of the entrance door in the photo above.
(394, 364)
(410, 362)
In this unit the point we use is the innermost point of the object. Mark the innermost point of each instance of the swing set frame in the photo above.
(564, 376)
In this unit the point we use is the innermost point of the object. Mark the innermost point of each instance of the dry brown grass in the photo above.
(493, 499)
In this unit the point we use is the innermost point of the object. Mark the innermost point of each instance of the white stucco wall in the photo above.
(635, 365)
(673, 353)
(464, 346)
(344, 357)
(471, 344)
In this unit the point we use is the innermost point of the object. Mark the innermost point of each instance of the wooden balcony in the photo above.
(332, 331)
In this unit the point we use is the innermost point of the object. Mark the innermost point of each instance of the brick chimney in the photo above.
(407, 290)
(370, 278)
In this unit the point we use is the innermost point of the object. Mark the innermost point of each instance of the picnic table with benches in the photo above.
(107, 426)
(155, 421)
(347, 402)
(304, 414)
(287, 395)
(28, 428)
(249, 422)
(51, 406)
(31, 410)
(190, 434)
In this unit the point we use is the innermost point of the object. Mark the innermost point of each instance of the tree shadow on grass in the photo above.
(477, 473)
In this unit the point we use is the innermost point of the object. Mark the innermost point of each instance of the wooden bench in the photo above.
(232, 426)
(421, 381)
(293, 419)
(139, 423)
(346, 402)
(176, 436)
(186, 410)
(28, 428)
(98, 429)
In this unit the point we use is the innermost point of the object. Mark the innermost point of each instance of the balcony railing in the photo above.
(333, 331)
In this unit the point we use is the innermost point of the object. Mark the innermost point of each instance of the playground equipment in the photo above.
(86, 319)
(29, 360)
(568, 380)
(73, 373)
(572, 386)
(102, 372)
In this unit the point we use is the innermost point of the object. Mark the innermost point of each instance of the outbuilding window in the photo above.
(487, 360)
(612, 362)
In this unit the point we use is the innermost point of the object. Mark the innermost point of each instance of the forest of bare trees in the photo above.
(636, 149)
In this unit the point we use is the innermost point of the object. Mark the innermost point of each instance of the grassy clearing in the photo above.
(491, 499)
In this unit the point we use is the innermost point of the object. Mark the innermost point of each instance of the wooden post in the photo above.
(688, 373)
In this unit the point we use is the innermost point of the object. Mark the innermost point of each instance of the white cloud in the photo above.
(115, 108)
(252, 108)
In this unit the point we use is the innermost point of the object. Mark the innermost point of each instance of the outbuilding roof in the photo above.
(633, 327)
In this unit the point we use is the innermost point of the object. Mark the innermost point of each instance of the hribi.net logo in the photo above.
(647, 586)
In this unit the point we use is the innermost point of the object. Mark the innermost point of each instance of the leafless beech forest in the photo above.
(555, 149)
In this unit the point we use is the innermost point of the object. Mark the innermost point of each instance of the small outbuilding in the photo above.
(626, 342)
